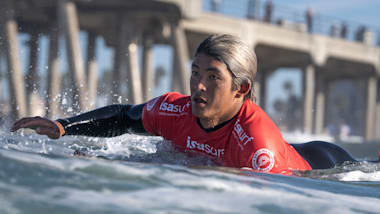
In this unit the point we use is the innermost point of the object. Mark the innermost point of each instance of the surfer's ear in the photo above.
(243, 90)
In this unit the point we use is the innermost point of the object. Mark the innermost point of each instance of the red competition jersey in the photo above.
(250, 139)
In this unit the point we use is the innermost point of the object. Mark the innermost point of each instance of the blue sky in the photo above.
(354, 11)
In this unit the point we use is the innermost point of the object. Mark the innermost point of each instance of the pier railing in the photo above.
(310, 21)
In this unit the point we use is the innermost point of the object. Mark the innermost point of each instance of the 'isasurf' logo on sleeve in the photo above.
(169, 107)
(263, 160)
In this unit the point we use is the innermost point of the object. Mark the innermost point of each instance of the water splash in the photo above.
(360, 171)
(156, 150)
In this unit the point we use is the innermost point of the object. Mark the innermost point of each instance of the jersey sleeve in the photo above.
(161, 115)
(151, 118)
(150, 113)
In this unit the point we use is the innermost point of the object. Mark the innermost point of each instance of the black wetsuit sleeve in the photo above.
(108, 121)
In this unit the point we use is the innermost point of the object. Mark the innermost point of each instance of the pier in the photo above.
(129, 26)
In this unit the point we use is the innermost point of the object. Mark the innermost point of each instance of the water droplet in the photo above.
(43, 148)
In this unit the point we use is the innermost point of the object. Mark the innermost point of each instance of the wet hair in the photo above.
(239, 58)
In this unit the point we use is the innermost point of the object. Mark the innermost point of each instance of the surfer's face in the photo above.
(212, 97)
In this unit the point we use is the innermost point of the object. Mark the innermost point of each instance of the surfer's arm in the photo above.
(108, 121)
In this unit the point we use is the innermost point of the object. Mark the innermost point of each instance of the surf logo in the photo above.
(263, 160)
(240, 134)
(194, 145)
(151, 104)
(169, 107)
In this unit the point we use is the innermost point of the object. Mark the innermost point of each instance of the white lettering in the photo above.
(243, 137)
(194, 145)
(163, 106)
(214, 152)
(188, 145)
(208, 148)
(169, 107)
(220, 152)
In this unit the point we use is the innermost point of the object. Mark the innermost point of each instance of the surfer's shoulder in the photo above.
(175, 98)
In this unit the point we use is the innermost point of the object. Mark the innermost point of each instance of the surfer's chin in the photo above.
(199, 112)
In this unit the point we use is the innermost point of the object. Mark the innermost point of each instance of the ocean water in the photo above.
(140, 174)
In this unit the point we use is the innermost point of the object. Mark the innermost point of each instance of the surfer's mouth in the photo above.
(198, 100)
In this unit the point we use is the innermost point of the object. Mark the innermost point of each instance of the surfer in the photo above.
(219, 119)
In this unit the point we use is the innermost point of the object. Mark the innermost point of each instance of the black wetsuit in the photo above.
(116, 120)
(109, 121)
(323, 155)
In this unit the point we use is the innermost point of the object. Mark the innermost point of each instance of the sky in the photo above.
(355, 12)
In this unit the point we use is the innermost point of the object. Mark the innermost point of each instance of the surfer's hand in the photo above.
(41, 125)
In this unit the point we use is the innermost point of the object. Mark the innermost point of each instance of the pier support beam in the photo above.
(92, 70)
(371, 108)
(34, 103)
(377, 125)
(119, 52)
(320, 103)
(180, 58)
(126, 56)
(147, 72)
(175, 86)
(308, 100)
(31, 77)
(71, 26)
(261, 82)
(135, 95)
(2, 61)
(16, 80)
(54, 78)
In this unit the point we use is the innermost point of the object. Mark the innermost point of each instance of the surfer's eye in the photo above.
(213, 77)
(194, 73)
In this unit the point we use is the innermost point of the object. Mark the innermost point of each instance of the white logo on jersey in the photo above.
(169, 107)
(192, 144)
(151, 103)
(241, 135)
(263, 160)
